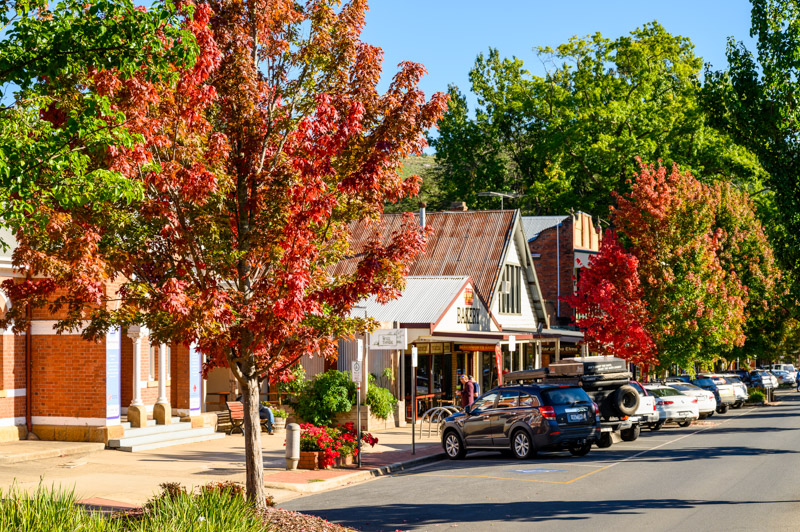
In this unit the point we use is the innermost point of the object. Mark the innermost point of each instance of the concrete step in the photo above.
(167, 433)
(150, 423)
(153, 430)
(186, 437)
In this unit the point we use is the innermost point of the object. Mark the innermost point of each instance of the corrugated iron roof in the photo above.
(533, 225)
(470, 244)
(424, 300)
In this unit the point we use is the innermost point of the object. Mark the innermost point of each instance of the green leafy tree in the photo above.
(48, 55)
(569, 138)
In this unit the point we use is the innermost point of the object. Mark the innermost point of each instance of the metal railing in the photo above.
(436, 415)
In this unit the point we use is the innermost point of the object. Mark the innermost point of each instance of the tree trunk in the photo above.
(254, 461)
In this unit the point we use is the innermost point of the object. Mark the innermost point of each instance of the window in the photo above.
(508, 399)
(484, 403)
(528, 400)
(511, 290)
(151, 363)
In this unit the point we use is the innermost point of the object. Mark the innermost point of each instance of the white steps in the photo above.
(157, 436)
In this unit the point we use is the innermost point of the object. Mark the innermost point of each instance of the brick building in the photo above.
(62, 387)
(560, 246)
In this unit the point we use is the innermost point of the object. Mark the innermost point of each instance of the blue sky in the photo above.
(447, 35)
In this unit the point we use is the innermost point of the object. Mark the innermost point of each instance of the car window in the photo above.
(733, 380)
(704, 382)
(664, 392)
(508, 399)
(564, 396)
(638, 388)
(528, 400)
(484, 403)
(681, 387)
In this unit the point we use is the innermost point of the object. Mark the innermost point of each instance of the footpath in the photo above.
(109, 479)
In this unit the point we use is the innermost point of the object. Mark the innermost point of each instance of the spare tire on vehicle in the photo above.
(625, 400)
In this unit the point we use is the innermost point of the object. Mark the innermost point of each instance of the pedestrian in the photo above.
(265, 412)
(467, 392)
(475, 386)
(797, 379)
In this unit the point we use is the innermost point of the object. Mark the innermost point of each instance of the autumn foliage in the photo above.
(676, 281)
(252, 167)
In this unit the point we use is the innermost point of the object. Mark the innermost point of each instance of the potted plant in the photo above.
(325, 447)
(280, 419)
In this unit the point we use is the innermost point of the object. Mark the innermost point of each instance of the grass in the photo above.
(215, 507)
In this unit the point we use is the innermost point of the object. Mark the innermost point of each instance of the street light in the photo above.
(501, 195)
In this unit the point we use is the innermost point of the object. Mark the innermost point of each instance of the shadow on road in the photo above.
(405, 516)
(703, 453)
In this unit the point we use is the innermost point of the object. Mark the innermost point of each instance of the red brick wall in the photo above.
(547, 267)
(68, 377)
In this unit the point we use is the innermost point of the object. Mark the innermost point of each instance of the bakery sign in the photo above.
(466, 313)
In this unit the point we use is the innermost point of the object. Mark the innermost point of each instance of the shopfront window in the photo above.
(489, 370)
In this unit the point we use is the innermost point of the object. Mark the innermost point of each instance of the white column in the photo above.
(162, 374)
(135, 334)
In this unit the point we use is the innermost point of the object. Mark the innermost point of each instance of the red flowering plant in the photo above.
(332, 442)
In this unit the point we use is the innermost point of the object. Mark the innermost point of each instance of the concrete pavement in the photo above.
(113, 478)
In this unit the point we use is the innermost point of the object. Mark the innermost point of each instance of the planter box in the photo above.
(313, 459)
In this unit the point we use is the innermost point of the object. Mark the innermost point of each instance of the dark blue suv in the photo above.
(523, 419)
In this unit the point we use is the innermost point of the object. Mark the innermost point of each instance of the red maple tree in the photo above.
(252, 167)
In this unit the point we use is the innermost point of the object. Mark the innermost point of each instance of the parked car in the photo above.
(722, 391)
(646, 413)
(706, 402)
(672, 406)
(784, 377)
(523, 419)
(789, 368)
(760, 378)
(739, 389)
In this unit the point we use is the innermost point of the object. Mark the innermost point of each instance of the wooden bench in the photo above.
(236, 411)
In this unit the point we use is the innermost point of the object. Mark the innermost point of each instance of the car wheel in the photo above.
(737, 404)
(605, 440)
(710, 414)
(626, 400)
(581, 450)
(685, 423)
(453, 446)
(702, 416)
(722, 409)
(521, 445)
(656, 426)
(631, 434)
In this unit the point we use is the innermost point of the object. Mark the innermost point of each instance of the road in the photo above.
(731, 472)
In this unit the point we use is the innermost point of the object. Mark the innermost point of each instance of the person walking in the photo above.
(475, 386)
(467, 392)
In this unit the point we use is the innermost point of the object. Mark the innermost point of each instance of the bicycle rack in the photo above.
(436, 415)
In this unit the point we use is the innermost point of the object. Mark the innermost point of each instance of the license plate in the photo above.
(577, 417)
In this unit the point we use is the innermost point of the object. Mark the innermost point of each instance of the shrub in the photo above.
(756, 396)
(380, 399)
(293, 381)
(325, 396)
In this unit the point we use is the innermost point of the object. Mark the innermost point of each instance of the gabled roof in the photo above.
(470, 244)
(424, 300)
(533, 225)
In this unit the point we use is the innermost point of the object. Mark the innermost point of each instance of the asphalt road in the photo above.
(737, 471)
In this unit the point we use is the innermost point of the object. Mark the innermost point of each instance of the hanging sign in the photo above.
(113, 373)
(512, 343)
(194, 381)
(360, 349)
(498, 356)
(414, 357)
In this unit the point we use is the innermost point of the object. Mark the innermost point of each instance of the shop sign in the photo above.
(476, 347)
(512, 343)
(468, 315)
(389, 339)
(113, 373)
(437, 349)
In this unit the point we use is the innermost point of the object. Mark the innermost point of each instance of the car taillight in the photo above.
(596, 410)
(666, 402)
(654, 407)
(547, 412)
(694, 400)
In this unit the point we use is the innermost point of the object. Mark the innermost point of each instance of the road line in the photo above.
(590, 473)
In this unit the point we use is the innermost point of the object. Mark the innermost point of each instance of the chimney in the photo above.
(458, 206)
(422, 206)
